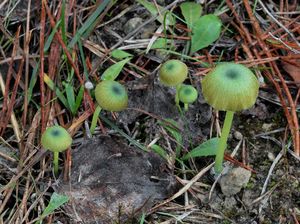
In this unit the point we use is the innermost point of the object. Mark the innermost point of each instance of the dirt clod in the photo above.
(111, 181)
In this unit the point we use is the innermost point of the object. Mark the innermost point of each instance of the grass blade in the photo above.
(82, 57)
(33, 80)
(131, 140)
(79, 98)
(70, 97)
(175, 133)
(120, 54)
(160, 151)
(170, 20)
(208, 148)
(51, 36)
(58, 93)
(63, 22)
(113, 71)
(94, 119)
(88, 24)
(55, 202)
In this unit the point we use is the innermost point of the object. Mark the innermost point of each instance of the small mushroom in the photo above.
(173, 73)
(229, 87)
(187, 94)
(111, 95)
(56, 139)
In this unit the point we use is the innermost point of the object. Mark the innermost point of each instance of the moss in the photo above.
(250, 185)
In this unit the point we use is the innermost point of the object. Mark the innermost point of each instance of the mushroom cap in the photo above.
(173, 72)
(187, 94)
(56, 139)
(111, 95)
(230, 87)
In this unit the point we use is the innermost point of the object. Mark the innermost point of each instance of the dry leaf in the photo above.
(293, 69)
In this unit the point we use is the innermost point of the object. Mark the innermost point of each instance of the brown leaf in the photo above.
(293, 69)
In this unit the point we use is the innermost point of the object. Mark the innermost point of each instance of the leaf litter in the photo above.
(262, 49)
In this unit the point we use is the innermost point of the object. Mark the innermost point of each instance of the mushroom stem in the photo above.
(223, 141)
(177, 94)
(55, 162)
(186, 106)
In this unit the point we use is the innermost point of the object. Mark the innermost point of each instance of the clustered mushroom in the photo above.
(228, 87)
(173, 73)
(187, 94)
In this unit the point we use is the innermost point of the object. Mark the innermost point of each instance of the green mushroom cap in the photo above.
(56, 139)
(188, 94)
(173, 72)
(111, 95)
(230, 87)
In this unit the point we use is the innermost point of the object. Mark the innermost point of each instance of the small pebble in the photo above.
(229, 202)
(238, 135)
(160, 2)
(234, 181)
(88, 85)
(279, 173)
(267, 127)
(132, 24)
(148, 30)
(271, 156)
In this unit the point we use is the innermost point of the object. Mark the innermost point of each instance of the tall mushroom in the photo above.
(229, 87)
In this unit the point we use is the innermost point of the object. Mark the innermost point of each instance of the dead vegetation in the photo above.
(51, 51)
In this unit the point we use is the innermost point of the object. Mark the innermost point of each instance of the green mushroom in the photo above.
(56, 139)
(187, 94)
(173, 73)
(111, 95)
(229, 87)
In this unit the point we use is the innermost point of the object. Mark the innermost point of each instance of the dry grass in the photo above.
(263, 35)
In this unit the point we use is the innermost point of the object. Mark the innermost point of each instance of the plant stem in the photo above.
(223, 141)
(177, 95)
(55, 162)
(94, 119)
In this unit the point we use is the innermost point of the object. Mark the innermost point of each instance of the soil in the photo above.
(281, 197)
(110, 181)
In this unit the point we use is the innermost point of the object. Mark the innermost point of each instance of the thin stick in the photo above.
(41, 74)
(13, 99)
(185, 188)
(293, 124)
(278, 23)
(26, 55)
(132, 33)
(276, 160)
(13, 118)
(69, 57)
